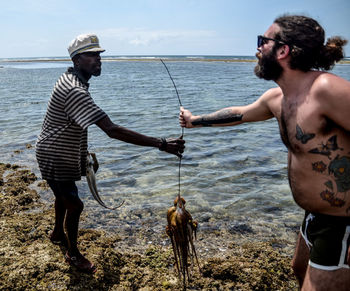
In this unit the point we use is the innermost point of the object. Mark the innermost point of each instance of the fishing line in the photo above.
(171, 78)
(182, 129)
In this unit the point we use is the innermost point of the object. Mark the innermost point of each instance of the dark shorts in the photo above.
(328, 238)
(63, 188)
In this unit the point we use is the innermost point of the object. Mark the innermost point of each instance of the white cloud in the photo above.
(146, 37)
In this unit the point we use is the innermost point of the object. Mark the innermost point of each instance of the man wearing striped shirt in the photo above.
(61, 148)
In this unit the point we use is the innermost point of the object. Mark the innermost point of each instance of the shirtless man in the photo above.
(312, 108)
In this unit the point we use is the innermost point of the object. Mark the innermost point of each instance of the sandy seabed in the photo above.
(29, 261)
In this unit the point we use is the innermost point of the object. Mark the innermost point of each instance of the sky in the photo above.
(44, 28)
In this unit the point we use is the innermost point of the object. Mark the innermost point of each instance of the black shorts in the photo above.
(328, 238)
(63, 188)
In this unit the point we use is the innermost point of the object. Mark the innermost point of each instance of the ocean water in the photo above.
(229, 176)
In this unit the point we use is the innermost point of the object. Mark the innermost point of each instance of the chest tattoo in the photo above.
(302, 136)
(327, 148)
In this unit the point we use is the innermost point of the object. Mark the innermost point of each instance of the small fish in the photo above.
(91, 169)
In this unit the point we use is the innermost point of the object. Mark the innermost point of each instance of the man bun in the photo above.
(306, 37)
(332, 52)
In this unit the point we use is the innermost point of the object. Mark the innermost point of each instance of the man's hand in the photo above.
(185, 118)
(175, 146)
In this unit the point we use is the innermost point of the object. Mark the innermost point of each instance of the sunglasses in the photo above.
(264, 40)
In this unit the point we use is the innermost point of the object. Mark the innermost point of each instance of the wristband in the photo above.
(163, 144)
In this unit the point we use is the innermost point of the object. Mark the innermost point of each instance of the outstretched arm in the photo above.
(223, 117)
(257, 111)
(172, 146)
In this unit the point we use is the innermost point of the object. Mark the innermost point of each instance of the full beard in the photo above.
(267, 67)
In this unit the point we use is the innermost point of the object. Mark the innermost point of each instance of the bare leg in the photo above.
(74, 208)
(58, 235)
(68, 208)
(300, 259)
(320, 280)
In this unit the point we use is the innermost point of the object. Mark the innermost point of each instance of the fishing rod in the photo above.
(177, 93)
(171, 78)
(182, 129)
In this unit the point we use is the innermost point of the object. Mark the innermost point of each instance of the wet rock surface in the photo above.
(125, 261)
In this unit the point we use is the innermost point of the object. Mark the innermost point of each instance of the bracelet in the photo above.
(163, 144)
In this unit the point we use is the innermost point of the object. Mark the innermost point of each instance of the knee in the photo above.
(79, 206)
(75, 206)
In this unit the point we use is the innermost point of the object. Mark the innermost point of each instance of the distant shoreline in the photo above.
(126, 59)
(141, 59)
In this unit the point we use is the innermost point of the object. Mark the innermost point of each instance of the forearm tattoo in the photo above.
(221, 117)
(337, 171)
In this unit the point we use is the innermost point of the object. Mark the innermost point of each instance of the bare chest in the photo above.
(300, 123)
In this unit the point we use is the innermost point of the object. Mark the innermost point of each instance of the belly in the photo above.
(321, 185)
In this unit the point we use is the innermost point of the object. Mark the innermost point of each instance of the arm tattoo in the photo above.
(221, 117)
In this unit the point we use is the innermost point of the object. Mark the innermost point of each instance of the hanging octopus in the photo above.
(181, 229)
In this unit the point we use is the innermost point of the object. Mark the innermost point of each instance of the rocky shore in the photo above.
(30, 262)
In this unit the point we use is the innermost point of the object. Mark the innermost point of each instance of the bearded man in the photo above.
(311, 107)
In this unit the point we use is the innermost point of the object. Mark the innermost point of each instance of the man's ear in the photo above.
(283, 52)
(75, 60)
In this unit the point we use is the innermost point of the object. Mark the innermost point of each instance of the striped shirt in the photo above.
(61, 148)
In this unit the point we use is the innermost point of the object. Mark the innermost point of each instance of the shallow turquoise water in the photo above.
(235, 174)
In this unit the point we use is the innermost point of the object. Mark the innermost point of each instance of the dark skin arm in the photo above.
(173, 146)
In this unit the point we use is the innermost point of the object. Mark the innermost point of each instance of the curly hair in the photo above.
(306, 38)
